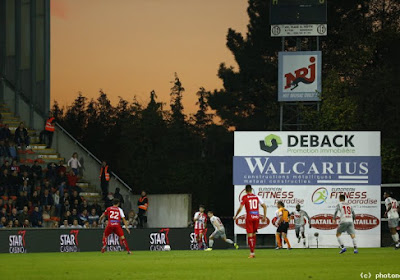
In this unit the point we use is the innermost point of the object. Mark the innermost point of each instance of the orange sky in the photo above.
(130, 47)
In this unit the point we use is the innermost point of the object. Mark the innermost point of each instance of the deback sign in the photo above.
(299, 77)
(312, 169)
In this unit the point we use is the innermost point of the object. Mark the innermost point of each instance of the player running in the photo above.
(219, 231)
(282, 224)
(298, 217)
(251, 203)
(200, 222)
(393, 217)
(347, 218)
(114, 215)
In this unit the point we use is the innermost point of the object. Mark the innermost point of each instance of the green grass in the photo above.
(218, 264)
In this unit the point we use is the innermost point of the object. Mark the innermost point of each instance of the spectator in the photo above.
(109, 200)
(76, 205)
(65, 197)
(1, 203)
(57, 199)
(65, 207)
(16, 224)
(36, 218)
(35, 199)
(47, 185)
(55, 224)
(6, 165)
(46, 215)
(86, 224)
(94, 224)
(5, 134)
(83, 217)
(48, 131)
(26, 224)
(75, 196)
(3, 222)
(51, 173)
(14, 166)
(4, 182)
(13, 184)
(61, 178)
(61, 167)
(74, 216)
(25, 168)
(74, 163)
(143, 204)
(84, 206)
(12, 150)
(132, 219)
(9, 206)
(117, 195)
(104, 178)
(96, 206)
(22, 202)
(93, 217)
(14, 215)
(67, 216)
(72, 180)
(75, 224)
(10, 224)
(25, 188)
(4, 151)
(47, 199)
(21, 136)
(65, 224)
(37, 172)
(24, 215)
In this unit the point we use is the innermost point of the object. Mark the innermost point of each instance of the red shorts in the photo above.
(114, 229)
(197, 232)
(252, 225)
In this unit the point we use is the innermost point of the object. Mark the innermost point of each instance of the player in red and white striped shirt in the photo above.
(200, 222)
(114, 215)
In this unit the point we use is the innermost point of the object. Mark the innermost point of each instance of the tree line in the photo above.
(164, 150)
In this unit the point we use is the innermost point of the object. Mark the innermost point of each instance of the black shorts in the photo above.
(283, 227)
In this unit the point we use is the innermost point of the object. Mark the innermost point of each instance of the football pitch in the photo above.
(218, 264)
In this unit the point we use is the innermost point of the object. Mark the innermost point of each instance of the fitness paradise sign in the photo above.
(312, 169)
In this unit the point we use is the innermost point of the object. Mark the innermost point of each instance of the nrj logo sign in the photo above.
(270, 143)
(319, 196)
(305, 75)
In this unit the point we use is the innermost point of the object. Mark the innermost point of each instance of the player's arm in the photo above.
(101, 218)
(336, 211)
(196, 216)
(126, 225)
(265, 211)
(388, 207)
(308, 218)
(238, 211)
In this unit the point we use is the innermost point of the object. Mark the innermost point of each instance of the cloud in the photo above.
(59, 9)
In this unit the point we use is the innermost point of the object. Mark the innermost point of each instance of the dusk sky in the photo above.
(130, 47)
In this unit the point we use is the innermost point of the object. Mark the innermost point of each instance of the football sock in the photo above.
(210, 243)
(355, 243)
(200, 244)
(125, 244)
(228, 241)
(287, 241)
(278, 240)
(250, 240)
(339, 239)
(104, 241)
(395, 237)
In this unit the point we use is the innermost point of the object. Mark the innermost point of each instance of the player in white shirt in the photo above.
(200, 222)
(393, 217)
(347, 216)
(298, 217)
(219, 231)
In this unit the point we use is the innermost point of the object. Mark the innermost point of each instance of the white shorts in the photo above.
(348, 227)
(393, 223)
(218, 234)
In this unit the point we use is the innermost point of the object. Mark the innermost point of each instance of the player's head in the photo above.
(342, 197)
(201, 208)
(387, 194)
(115, 201)
(143, 193)
(298, 207)
(249, 189)
(280, 204)
(210, 214)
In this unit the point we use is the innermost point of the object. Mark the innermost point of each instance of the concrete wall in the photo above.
(167, 210)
